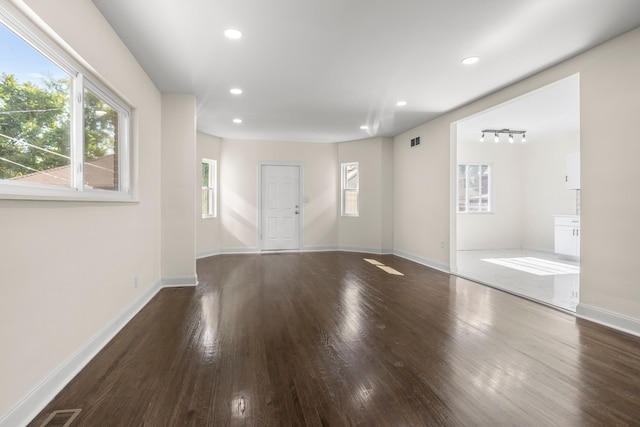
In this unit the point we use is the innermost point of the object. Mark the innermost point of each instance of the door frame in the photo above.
(259, 228)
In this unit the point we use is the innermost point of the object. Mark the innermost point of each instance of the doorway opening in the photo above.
(516, 201)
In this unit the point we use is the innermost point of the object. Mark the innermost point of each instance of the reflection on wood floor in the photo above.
(331, 339)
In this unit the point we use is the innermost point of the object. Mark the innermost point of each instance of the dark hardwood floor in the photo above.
(327, 339)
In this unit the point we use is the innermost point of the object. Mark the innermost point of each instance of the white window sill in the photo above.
(42, 193)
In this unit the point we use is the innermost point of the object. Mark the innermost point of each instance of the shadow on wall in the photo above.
(320, 218)
(239, 221)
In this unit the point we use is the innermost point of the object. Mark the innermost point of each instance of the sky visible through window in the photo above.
(24, 62)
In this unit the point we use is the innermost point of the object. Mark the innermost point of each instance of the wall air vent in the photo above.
(415, 141)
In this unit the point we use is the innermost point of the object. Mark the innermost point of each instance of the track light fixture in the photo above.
(497, 132)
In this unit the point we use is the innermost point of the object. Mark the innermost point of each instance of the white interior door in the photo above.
(280, 207)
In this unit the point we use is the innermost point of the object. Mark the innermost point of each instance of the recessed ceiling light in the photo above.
(470, 60)
(236, 91)
(237, 121)
(232, 34)
(364, 127)
(401, 103)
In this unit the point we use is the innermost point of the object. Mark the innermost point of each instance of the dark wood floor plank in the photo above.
(324, 339)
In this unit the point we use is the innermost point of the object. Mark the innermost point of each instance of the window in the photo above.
(350, 187)
(474, 188)
(208, 188)
(62, 133)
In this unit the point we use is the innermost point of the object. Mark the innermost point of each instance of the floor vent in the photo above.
(61, 418)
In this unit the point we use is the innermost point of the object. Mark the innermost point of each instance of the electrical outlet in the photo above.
(441, 244)
(135, 282)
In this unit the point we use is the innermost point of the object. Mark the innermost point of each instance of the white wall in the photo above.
(207, 229)
(421, 194)
(178, 193)
(238, 169)
(609, 107)
(371, 230)
(528, 189)
(386, 191)
(68, 268)
(545, 191)
(503, 227)
(609, 149)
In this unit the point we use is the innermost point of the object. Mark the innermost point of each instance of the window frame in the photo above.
(80, 80)
(344, 190)
(489, 193)
(211, 188)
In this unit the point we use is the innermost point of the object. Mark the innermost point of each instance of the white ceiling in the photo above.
(318, 70)
(553, 110)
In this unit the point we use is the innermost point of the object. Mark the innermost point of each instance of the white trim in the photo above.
(608, 318)
(212, 186)
(424, 261)
(239, 251)
(14, 17)
(343, 189)
(46, 44)
(489, 170)
(375, 251)
(207, 254)
(319, 249)
(40, 396)
(177, 281)
(28, 191)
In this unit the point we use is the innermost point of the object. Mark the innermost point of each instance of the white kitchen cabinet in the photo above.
(573, 171)
(567, 235)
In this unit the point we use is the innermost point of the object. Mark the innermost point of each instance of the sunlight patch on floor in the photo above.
(537, 266)
(383, 267)
(390, 270)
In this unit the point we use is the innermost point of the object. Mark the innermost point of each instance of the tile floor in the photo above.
(541, 282)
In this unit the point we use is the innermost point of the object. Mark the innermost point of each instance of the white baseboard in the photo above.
(206, 254)
(177, 281)
(236, 251)
(319, 249)
(34, 402)
(608, 318)
(424, 261)
(375, 251)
